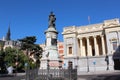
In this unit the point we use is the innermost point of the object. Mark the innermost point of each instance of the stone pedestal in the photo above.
(51, 50)
(50, 58)
(43, 64)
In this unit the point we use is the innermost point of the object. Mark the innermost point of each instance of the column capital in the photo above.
(95, 36)
(101, 35)
(87, 37)
(80, 37)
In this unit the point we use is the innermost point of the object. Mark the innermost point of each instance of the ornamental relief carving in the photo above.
(90, 29)
(113, 39)
(69, 40)
(69, 31)
(69, 28)
(111, 25)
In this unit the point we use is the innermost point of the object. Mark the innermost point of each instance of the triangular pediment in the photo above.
(69, 31)
(112, 24)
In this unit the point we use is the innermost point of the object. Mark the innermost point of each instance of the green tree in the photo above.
(28, 44)
(14, 57)
(2, 62)
(10, 54)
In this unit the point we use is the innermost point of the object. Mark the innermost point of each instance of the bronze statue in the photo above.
(54, 42)
(52, 20)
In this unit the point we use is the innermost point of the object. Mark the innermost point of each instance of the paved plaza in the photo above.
(101, 75)
(108, 75)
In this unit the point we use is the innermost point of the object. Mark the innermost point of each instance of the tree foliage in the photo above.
(11, 56)
(28, 44)
(2, 63)
(17, 58)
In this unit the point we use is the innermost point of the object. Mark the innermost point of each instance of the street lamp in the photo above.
(107, 61)
(76, 67)
(16, 63)
(48, 66)
(18, 46)
(27, 65)
(87, 64)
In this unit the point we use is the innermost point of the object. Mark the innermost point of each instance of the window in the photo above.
(114, 45)
(70, 50)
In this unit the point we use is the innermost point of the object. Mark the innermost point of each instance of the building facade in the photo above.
(92, 47)
(61, 50)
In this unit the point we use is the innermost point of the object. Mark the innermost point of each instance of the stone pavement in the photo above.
(100, 75)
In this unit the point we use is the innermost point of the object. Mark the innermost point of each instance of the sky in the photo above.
(30, 17)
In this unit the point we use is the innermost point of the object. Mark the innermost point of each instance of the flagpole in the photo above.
(88, 19)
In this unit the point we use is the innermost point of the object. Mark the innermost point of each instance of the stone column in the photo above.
(118, 36)
(88, 48)
(108, 47)
(74, 47)
(103, 44)
(65, 47)
(96, 46)
(81, 49)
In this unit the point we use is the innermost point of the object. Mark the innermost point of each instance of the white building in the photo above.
(93, 47)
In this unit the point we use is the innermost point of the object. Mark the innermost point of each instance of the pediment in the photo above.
(112, 24)
(69, 31)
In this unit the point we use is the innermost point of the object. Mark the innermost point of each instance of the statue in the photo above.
(52, 20)
(54, 42)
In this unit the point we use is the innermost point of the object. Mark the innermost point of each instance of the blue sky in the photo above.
(30, 17)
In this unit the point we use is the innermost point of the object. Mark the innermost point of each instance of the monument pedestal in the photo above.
(43, 64)
(51, 56)
(53, 64)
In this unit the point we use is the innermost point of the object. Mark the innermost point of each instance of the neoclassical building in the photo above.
(92, 47)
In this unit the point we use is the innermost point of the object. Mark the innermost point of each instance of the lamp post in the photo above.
(107, 61)
(16, 63)
(27, 65)
(76, 67)
(87, 64)
(18, 46)
(48, 66)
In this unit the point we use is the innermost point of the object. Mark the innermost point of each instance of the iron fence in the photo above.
(52, 74)
(58, 74)
(31, 74)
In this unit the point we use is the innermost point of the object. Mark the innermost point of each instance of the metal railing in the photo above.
(54, 74)
(31, 74)
(58, 74)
